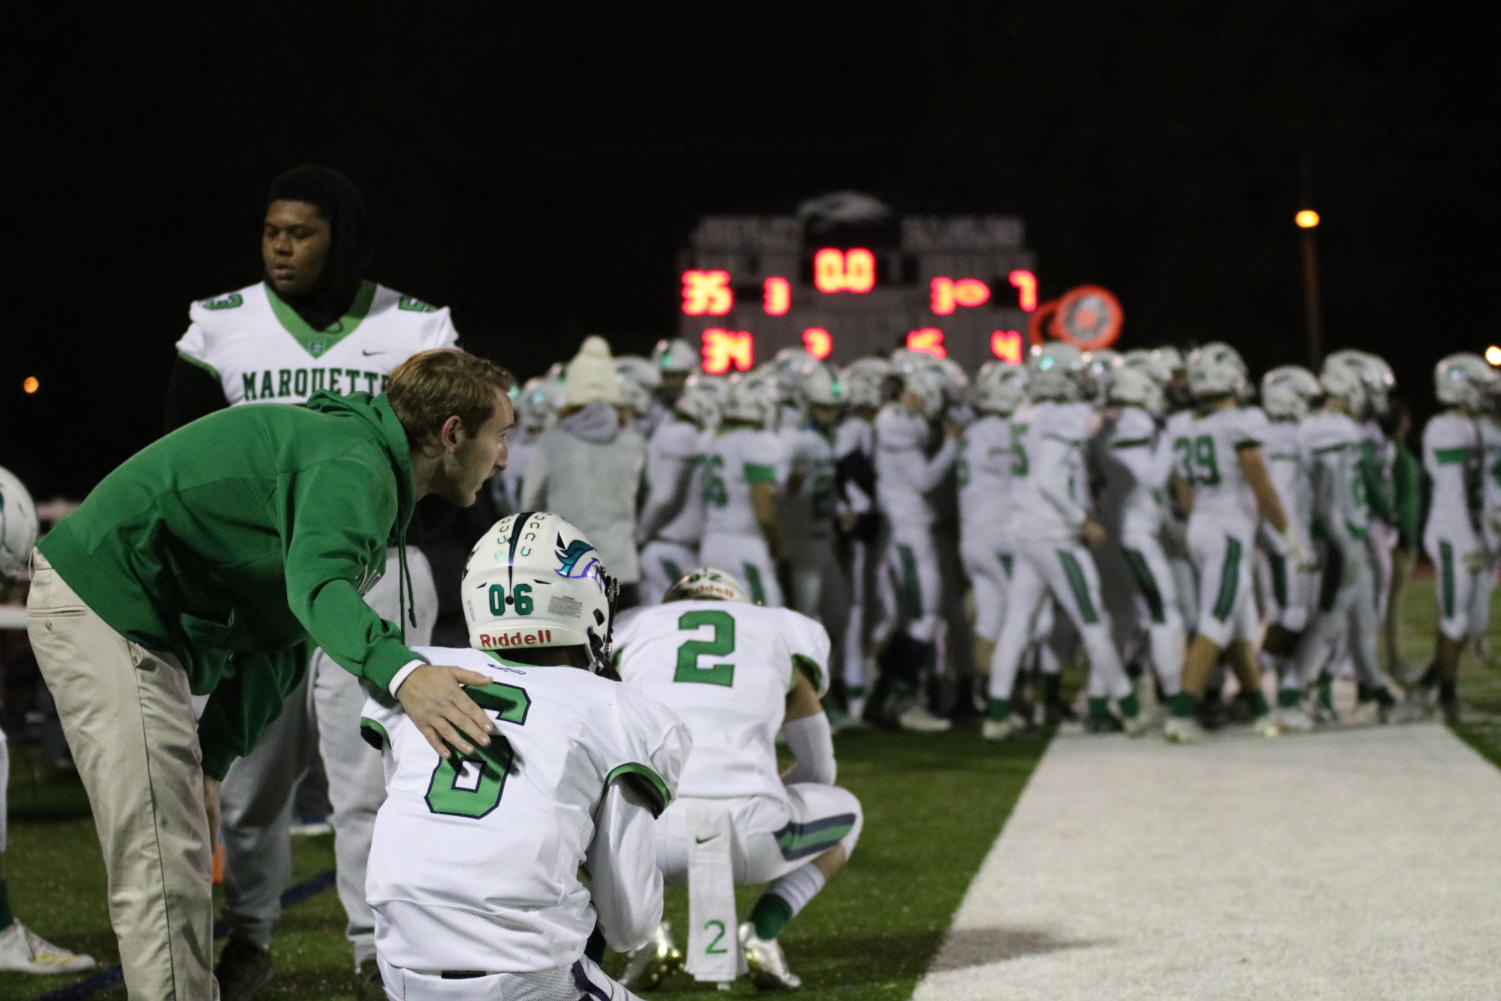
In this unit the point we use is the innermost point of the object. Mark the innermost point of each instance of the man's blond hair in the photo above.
(432, 386)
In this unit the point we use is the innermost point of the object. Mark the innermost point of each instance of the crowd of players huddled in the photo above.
(963, 534)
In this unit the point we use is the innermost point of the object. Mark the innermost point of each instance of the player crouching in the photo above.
(738, 673)
(474, 867)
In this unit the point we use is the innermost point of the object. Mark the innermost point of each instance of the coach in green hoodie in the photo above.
(167, 614)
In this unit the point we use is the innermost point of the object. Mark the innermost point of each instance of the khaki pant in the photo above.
(128, 716)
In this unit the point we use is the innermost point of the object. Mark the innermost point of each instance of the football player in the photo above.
(905, 476)
(1055, 528)
(672, 518)
(1221, 478)
(740, 481)
(491, 904)
(1453, 536)
(1490, 517)
(21, 949)
(738, 675)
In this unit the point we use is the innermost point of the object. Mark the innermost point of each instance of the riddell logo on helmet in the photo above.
(537, 637)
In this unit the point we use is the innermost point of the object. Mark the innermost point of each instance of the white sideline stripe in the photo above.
(1361, 864)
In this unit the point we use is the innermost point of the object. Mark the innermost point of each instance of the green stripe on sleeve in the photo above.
(1452, 456)
(373, 733)
(760, 474)
(1131, 443)
(811, 669)
(1072, 442)
(643, 778)
(200, 363)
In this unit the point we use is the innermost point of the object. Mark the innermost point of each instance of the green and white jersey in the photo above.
(1288, 467)
(475, 861)
(734, 459)
(1050, 494)
(725, 667)
(809, 513)
(988, 460)
(262, 351)
(1452, 455)
(1490, 477)
(1333, 443)
(1206, 451)
(1135, 460)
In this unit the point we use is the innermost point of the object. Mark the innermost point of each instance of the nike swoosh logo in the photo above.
(367, 354)
(699, 841)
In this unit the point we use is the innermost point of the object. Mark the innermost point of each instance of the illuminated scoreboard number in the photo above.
(734, 308)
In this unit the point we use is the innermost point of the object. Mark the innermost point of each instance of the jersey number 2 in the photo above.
(721, 645)
(471, 785)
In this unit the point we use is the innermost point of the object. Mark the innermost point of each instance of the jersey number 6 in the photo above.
(470, 785)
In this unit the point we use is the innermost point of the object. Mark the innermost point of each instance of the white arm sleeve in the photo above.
(1054, 458)
(624, 880)
(937, 466)
(811, 741)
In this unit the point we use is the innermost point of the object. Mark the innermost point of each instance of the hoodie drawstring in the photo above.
(405, 596)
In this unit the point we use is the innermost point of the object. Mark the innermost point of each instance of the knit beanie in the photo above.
(590, 376)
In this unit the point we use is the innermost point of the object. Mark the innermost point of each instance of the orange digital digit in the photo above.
(941, 295)
(707, 293)
(777, 297)
(836, 270)
(1025, 283)
(724, 350)
(971, 292)
(819, 342)
(928, 341)
(1007, 346)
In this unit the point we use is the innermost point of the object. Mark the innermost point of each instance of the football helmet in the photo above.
(639, 370)
(1216, 369)
(822, 386)
(634, 396)
(538, 403)
(1150, 362)
(865, 379)
(699, 404)
(789, 367)
(1170, 360)
(1288, 392)
(927, 388)
(1056, 371)
(1001, 389)
(534, 580)
(18, 526)
(750, 401)
(1343, 377)
(706, 583)
(1134, 385)
(1463, 380)
(673, 354)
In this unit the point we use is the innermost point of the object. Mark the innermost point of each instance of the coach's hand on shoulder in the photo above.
(448, 718)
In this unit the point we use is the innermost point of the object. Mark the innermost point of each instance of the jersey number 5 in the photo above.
(471, 785)
(721, 645)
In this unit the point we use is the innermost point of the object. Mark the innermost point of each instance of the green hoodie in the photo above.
(236, 539)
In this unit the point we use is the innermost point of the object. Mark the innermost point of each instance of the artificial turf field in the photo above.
(934, 805)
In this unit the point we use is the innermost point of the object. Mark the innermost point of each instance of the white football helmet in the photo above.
(1463, 380)
(699, 404)
(1133, 385)
(927, 388)
(1380, 381)
(1216, 369)
(823, 386)
(1101, 366)
(1000, 389)
(706, 583)
(1170, 360)
(750, 401)
(639, 370)
(673, 354)
(1343, 376)
(790, 366)
(1150, 362)
(634, 396)
(18, 526)
(1288, 392)
(534, 580)
(1056, 371)
(538, 403)
(865, 379)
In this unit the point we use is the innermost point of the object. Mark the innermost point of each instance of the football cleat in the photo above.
(1265, 725)
(768, 967)
(1294, 720)
(1182, 730)
(918, 719)
(1367, 713)
(1002, 729)
(24, 951)
(654, 962)
(1138, 724)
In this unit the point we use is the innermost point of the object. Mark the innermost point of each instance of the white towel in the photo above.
(713, 945)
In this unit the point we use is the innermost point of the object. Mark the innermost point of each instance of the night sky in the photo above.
(538, 175)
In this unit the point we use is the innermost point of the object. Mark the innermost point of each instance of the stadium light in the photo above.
(30, 385)
(1307, 219)
(1493, 355)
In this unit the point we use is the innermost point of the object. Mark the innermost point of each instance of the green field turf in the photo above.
(934, 805)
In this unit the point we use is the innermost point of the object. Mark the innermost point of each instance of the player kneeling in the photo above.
(738, 673)
(474, 869)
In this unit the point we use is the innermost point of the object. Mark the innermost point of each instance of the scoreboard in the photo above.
(956, 286)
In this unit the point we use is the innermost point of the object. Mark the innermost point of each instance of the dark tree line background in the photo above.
(538, 172)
